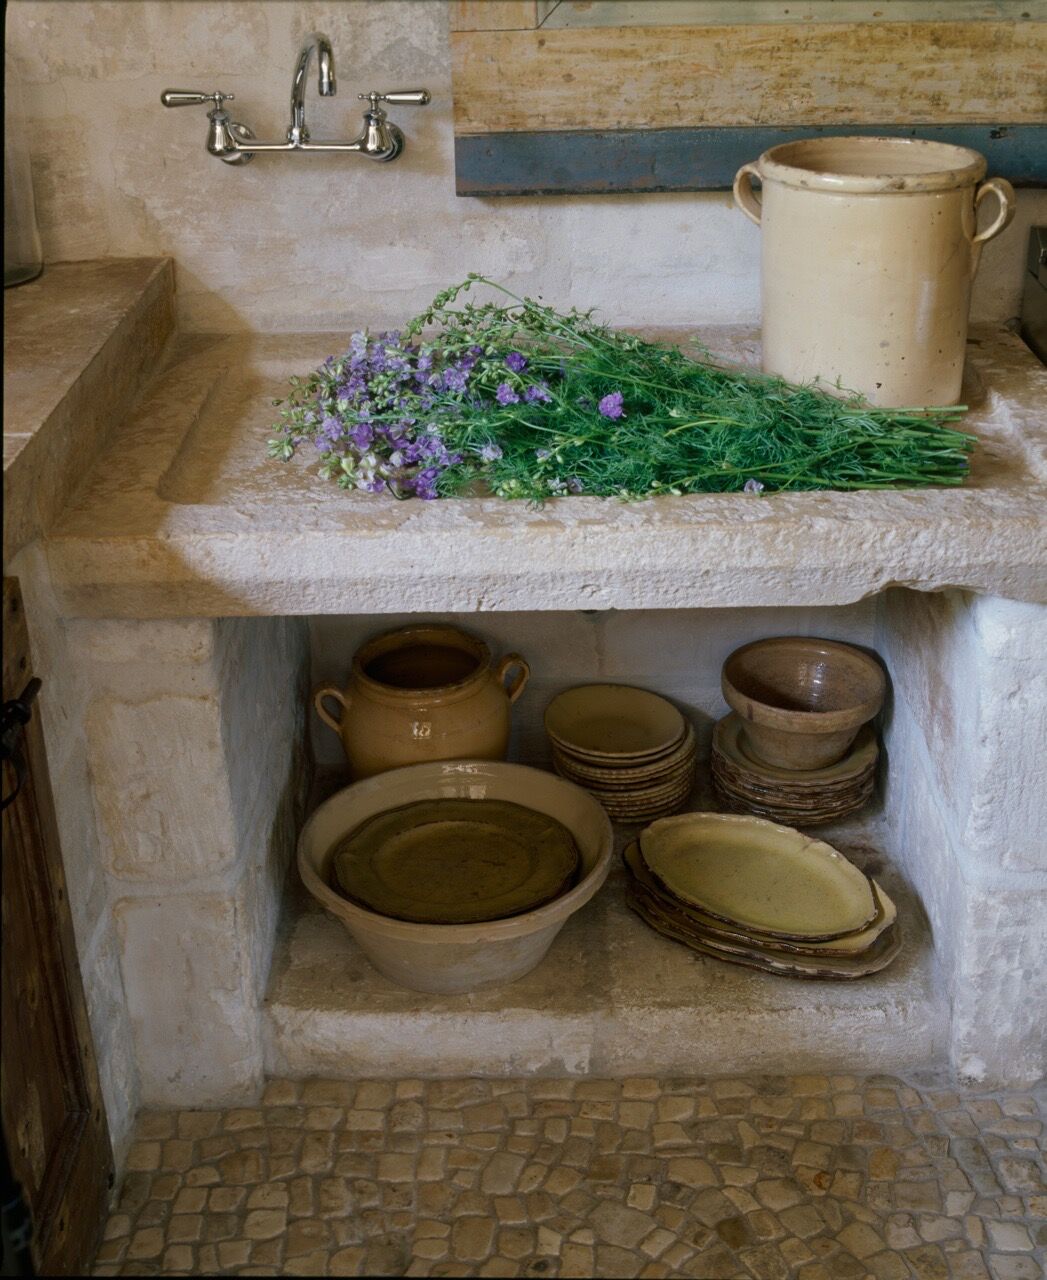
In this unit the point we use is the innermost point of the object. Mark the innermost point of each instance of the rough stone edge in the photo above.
(50, 465)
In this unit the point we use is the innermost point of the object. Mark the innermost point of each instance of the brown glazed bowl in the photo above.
(803, 700)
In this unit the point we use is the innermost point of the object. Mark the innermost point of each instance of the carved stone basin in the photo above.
(184, 497)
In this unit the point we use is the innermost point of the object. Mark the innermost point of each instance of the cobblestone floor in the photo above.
(811, 1177)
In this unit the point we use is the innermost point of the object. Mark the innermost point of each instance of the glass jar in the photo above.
(23, 257)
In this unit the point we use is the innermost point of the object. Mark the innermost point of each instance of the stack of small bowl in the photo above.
(798, 746)
(628, 747)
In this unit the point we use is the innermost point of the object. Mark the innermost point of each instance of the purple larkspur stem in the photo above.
(611, 405)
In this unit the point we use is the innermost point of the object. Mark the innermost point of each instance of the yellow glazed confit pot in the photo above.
(869, 250)
(423, 693)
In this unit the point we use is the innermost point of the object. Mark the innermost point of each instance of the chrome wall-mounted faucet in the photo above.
(297, 132)
(234, 142)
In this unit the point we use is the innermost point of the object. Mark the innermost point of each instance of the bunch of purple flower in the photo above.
(380, 413)
(374, 414)
(532, 403)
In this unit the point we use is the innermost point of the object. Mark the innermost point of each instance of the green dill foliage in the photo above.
(518, 399)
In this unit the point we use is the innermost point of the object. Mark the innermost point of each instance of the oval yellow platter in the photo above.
(848, 946)
(760, 875)
(872, 961)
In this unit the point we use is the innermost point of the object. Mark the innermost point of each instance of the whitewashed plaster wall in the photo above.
(315, 243)
(966, 804)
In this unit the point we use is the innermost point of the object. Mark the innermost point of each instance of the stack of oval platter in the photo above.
(456, 861)
(758, 894)
(629, 748)
(811, 796)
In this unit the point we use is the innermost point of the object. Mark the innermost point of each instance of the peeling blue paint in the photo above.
(696, 159)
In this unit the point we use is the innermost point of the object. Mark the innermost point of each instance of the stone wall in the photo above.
(177, 758)
(966, 795)
(63, 705)
(199, 786)
(325, 242)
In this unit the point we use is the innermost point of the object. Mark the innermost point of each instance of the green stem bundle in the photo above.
(554, 403)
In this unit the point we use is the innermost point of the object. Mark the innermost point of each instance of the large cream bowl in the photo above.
(459, 957)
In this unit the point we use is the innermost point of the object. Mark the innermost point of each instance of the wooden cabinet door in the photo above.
(53, 1118)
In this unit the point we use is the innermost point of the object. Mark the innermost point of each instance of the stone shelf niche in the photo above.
(611, 998)
(191, 593)
(965, 861)
(184, 770)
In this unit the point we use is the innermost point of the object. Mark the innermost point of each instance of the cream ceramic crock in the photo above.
(870, 246)
(423, 693)
(451, 958)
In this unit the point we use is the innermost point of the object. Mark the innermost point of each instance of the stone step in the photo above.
(611, 998)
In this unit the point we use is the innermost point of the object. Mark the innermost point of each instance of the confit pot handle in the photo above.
(516, 687)
(744, 197)
(329, 691)
(1004, 193)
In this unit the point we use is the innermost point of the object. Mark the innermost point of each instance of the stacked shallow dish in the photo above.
(758, 894)
(812, 796)
(798, 744)
(629, 748)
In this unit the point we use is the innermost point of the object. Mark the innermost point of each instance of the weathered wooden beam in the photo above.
(494, 15)
(593, 162)
(773, 74)
(703, 13)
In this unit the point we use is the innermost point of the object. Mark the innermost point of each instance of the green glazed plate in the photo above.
(452, 861)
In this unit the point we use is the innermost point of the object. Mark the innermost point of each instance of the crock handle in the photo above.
(516, 687)
(1004, 192)
(744, 197)
(329, 691)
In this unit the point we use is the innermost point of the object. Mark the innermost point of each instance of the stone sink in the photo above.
(183, 512)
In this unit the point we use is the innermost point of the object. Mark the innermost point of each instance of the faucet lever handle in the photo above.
(194, 98)
(407, 97)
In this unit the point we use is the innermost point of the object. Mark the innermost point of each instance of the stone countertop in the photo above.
(79, 343)
(184, 515)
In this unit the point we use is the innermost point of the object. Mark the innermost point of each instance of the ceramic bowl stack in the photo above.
(758, 894)
(629, 748)
(798, 745)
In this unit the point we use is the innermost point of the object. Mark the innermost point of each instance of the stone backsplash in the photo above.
(294, 243)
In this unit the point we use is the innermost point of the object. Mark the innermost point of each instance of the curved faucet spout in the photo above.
(318, 42)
